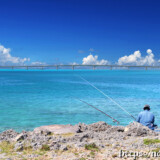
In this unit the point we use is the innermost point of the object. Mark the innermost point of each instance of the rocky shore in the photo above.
(98, 141)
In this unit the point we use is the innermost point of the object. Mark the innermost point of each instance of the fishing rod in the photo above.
(114, 120)
(108, 97)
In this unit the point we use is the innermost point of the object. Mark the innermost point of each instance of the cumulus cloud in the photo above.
(81, 51)
(7, 59)
(91, 50)
(74, 63)
(38, 63)
(90, 59)
(137, 59)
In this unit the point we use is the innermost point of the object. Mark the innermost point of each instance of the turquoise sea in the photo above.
(29, 99)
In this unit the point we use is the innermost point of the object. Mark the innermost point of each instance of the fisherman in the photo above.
(147, 118)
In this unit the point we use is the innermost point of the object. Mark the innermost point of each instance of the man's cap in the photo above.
(146, 106)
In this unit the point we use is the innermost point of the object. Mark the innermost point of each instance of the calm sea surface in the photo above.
(29, 99)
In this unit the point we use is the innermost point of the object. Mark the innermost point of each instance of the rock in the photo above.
(78, 145)
(8, 135)
(126, 129)
(2, 155)
(137, 129)
(18, 147)
(116, 129)
(99, 126)
(32, 156)
(56, 137)
(83, 137)
(20, 137)
(55, 147)
(64, 148)
(96, 127)
(57, 129)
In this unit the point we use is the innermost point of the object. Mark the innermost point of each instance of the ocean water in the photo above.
(29, 99)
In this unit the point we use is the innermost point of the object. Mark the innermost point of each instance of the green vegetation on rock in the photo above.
(45, 147)
(82, 159)
(156, 150)
(6, 147)
(91, 147)
(150, 141)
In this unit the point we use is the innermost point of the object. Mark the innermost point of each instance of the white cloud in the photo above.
(91, 50)
(37, 63)
(7, 59)
(133, 59)
(90, 59)
(137, 59)
(74, 63)
(81, 51)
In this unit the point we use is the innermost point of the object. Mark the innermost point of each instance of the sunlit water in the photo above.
(29, 99)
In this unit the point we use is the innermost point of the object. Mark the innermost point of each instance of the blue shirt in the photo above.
(146, 118)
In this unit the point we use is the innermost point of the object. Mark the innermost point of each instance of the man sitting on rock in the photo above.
(146, 117)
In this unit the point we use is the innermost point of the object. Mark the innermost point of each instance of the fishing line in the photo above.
(107, 97)
(114, 120)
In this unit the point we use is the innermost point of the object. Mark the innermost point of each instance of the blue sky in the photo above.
(66, 31)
